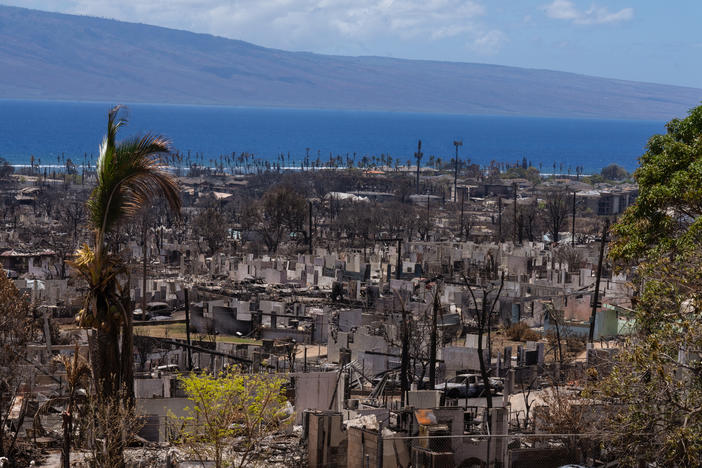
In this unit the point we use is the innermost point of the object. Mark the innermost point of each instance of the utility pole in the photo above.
(187, 328)
(456, 143)
(573, 230)
(398, 266)
(499, 220)
(463, 193)
(514, 218)
(309, 231)
(418, 155)
(427, 195)
(596, 298)
(432, 344)
(404, 334)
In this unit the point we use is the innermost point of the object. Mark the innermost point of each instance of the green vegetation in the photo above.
(530, 173)
(666, 217)
(614, 172)
(655, 383)
(230, 415)
(129, 176)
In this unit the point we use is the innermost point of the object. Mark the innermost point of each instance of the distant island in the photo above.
(51, 56)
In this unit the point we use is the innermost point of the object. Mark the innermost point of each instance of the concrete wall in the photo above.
(363, 448)
(462, 359)
(282, 333)
(314, 390)
(157, 409)
(606, 324)
(326, 440)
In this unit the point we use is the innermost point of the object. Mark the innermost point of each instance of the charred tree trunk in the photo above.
(127, 355)
(404, 360)
(106, 363)
(483, 370)
(67, 418)
(432, 344)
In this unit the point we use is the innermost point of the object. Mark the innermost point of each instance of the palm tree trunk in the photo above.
(106, 364)
(128, 353)
(67, 430)
(106, 371)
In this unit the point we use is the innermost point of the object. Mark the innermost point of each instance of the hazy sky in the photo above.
(643, 40)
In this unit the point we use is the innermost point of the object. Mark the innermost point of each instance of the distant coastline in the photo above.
(53, 131)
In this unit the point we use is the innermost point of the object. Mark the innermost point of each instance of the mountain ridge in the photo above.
(55, 56)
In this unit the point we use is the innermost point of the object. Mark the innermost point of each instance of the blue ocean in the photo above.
(48, 130)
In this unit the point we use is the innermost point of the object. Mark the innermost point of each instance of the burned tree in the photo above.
(556, 210)
(210, 226)
(416, 336)
(16, 330)
(484, 293)
(282, 211)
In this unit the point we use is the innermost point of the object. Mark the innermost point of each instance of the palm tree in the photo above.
(129, 176)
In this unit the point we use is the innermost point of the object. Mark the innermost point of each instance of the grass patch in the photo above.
(177, 331)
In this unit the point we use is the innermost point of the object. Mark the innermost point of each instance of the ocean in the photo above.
(51, 129)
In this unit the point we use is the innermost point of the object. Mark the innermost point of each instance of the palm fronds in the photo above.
(77, 375)
(77, 368)
(130, 174)
(101, 276)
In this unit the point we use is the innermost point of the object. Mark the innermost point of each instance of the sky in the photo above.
(641, 40)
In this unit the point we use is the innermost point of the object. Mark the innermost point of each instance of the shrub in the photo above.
(576, 344)
(231, 414)
(520, 331)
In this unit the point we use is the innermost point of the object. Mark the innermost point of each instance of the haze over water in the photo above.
(47, 129)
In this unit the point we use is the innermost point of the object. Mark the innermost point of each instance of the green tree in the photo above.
(531, 174)
(655, 382)
(666, 216)
(230, 415)
(129, 175)
(614, 172)
(655, 387)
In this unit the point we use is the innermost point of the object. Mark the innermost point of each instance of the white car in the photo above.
(463, 386)
(139, 314)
